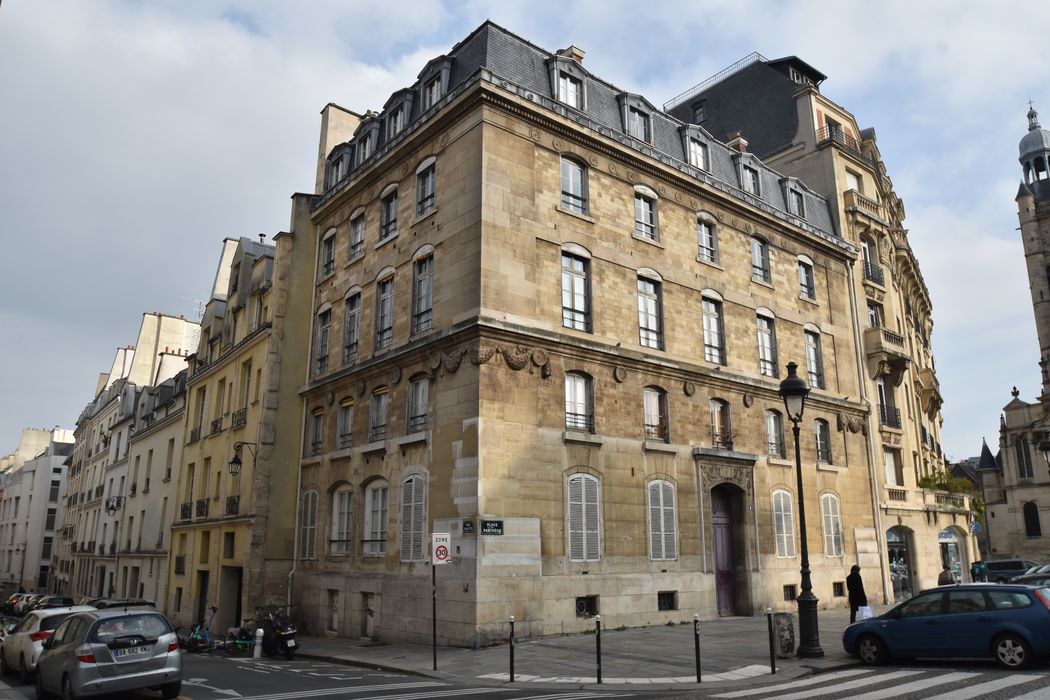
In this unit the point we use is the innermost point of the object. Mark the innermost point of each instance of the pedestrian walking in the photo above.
(945, 578)
(855, 589)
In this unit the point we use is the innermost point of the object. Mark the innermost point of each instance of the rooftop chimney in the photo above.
(737, 142)
(574, 52)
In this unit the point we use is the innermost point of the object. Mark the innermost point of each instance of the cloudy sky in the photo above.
(135, 136)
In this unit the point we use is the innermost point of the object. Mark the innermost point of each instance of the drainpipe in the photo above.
(872, 480)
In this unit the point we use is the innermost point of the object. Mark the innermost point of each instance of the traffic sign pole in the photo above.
(440, 550)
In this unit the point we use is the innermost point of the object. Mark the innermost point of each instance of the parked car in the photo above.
(1002, 570)
(23, 646)
(54, 601)
(1041, 569)
(110, 651)
(1007, 622)
(11, 604)
(104, 603)
(26, 602)
(1036, 580)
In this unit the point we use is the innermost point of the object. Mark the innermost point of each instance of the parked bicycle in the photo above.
(199, 638)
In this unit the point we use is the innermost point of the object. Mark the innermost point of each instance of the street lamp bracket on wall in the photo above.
(236, 463)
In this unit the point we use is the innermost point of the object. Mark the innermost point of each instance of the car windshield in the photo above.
(146, 625)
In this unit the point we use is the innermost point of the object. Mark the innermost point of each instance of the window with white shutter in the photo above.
(342, 517)
(829, 509)
(584, 542)
(308, 533)
(413, 501)
(783, 524)
(662, 521)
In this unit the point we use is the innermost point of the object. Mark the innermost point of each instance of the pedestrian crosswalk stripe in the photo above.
(1037, 694)
(914, 687)
(812, 680)
(981, 689)
(840, 687)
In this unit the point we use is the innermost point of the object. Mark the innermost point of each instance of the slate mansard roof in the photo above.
(494, 54)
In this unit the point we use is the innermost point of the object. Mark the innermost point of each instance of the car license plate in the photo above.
(131, 651)
(290, 642)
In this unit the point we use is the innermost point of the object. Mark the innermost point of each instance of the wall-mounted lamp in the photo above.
(236, 463)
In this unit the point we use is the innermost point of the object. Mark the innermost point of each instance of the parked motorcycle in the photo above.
(279, 635)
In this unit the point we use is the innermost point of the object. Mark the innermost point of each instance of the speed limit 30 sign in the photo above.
(440, 548)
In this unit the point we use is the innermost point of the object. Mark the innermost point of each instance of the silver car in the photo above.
(110, 651)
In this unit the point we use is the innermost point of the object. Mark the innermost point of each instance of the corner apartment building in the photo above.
(98, 466)
(803, 133)
(232, 537)
(551, 320)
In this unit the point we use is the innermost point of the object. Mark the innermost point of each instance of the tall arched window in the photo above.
(377, 504)
(1031, 520)
(829, 511)
(342, 518)
(413, 516)
(584, 540)
(662, 521)
(308, 527)
(784, 524)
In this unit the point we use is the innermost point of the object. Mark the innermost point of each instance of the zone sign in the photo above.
(440, 550)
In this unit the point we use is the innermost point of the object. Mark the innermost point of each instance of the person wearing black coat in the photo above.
(855, 589)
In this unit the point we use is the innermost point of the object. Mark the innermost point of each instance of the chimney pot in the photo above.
(574, 52)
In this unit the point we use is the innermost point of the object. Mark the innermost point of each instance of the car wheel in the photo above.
(41, 692)
(171, 690)
(67, 689)
(1011, 651)
(23, 672)
(872, 650)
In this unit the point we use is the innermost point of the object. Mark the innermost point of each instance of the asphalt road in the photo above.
(220, 677)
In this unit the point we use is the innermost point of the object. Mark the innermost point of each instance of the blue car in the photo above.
(1006, 622)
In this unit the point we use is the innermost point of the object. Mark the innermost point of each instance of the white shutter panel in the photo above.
(407, 489)
(418, 499)
(576, 518)
(590, 518)
(655, 522)
(669, 529)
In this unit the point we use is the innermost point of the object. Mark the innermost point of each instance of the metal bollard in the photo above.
(696, 643)
(257, 650)
(772, 652)
(511, 648)
(598, 643)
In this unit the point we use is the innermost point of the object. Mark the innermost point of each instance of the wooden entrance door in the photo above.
(722, 523)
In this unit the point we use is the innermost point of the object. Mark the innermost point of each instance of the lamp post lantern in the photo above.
(793, 391)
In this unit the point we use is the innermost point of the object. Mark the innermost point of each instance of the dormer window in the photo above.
(638, 124)
(794, 196)
(749, 180)
(698, 155)
(567, 81)
(396, 122)
(337, 169)
(570, 90)
(797, 77)
(796, 203)
(367, 146)
(431, 92)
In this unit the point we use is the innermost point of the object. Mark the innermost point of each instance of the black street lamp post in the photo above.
(794, 392)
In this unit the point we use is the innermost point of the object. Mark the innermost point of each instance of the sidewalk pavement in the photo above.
(663, 657)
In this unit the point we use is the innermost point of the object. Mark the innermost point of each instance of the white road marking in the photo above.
(914, 686)
(348, 689)
(813, 680)
(839, 688)
(980, 689)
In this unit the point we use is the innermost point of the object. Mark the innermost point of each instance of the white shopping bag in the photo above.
(864, 612)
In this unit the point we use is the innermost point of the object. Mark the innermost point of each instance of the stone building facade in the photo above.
(801, 132)
(232, 537)
(97, 477)
(1023, 483)
(551, 320)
